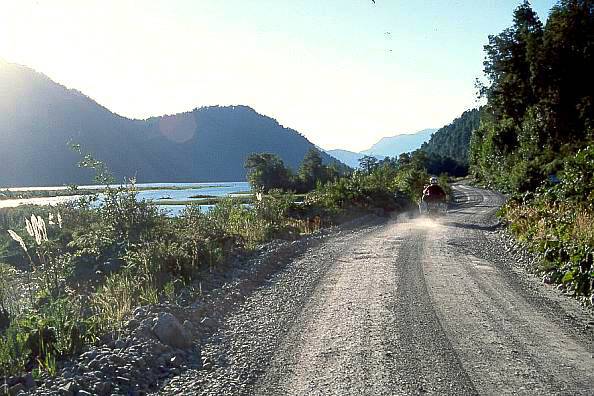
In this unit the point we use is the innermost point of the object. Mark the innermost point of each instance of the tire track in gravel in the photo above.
(508, 334)
(408, 306)
(241, 349)
(370, 328)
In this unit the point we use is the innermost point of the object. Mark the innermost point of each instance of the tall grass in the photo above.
(563, 233)
(87, 268)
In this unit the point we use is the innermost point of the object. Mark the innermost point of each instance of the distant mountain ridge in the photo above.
(38, 117)
(347, 157)
(391, 146)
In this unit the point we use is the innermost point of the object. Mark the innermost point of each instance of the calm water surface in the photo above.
(178, 192)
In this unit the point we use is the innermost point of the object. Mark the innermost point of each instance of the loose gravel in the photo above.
(378, 306)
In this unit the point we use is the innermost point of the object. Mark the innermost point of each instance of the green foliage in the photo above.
(536, 136)
(39, 337)
(14, 353)
(540, 108)
(556, 221)
(368, 163)
(103, 174)
(8, 294)
(448, 146)
(577, 178)
(266, 171)
(388, 184)
(411, 181)
(74, 299)
(311, 170)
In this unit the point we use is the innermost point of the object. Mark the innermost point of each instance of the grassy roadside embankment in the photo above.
(85, 267)
(557, 222)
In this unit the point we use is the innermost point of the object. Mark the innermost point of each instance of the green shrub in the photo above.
(39, 337)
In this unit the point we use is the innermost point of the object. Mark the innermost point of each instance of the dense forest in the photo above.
(536, 135)
(540, 97)
(452, 140)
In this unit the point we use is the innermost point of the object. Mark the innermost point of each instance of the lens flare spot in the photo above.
(178, 128)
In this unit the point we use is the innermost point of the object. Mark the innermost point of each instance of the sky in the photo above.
(344, 73)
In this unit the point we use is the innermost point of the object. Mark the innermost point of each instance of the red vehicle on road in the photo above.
(434, 199)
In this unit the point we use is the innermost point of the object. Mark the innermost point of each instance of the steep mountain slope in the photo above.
(393, 146)
(38, 117)
(452, 140)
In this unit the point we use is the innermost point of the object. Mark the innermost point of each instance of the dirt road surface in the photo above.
(402, 306)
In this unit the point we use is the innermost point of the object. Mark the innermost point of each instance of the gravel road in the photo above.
(401, 306)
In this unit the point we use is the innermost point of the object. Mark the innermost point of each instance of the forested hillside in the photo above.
(536, 137)
(540, 95)
(38, 118)
(452, 140)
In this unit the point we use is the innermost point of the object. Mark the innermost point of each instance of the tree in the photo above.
(540, 96)
(312, 170)
(567, 83)
(267, 171)
(368, 163)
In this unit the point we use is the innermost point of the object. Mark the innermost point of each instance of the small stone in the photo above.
(95, 365)
(133, 324)
(120, 344)
(83, 393)
(140, 362)
(102, 388)
(117, 360)
(90, 355)
(123, 380)
(175, 361)
(29, 382)
(139, 312)
(209, 322)
(66, 390)
(188, 326)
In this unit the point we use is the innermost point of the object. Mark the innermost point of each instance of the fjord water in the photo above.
(162, 191)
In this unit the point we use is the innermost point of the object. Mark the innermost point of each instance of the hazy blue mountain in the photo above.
(393, 146)
(38, 117)
(346, 157)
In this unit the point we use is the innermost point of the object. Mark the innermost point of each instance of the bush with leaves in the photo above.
(556, 221)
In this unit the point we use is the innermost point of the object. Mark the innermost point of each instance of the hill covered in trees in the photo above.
(536, 137)
(38, 118)
(452, 141)
(540, 96)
